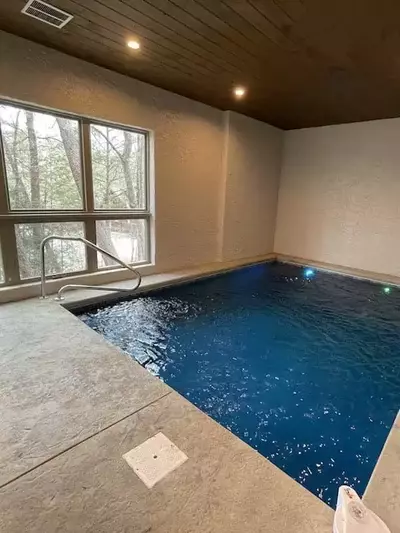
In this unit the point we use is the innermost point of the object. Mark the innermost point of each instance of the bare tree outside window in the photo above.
(43, 159)
(118, 158)
(62, 256)
(128, 239)
(2, 279)
(39, 176)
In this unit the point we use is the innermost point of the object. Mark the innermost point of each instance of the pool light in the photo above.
(309, 273)
(387, 290)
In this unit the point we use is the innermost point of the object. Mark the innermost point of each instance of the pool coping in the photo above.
(82, 298)
(368, 275)
(389, 460)
(382, 494)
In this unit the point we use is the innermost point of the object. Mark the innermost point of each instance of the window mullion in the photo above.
(7, 234)
(3, 185)
(90, 225)
(90, 231)
(87, 165)
(9, 253)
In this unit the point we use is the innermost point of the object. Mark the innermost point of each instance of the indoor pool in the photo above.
(301, 364)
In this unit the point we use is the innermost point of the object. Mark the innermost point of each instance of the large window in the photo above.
(69, 176)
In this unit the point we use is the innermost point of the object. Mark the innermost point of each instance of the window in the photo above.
(69, 176)
(119, 161)
(127, 238)
(61, 256)
(42, 160)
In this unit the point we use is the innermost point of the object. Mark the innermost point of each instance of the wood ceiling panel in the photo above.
(228, 52)
(121, 29)
(273, 61)
(152, 54)
(186, 35)
(262, 23)
(304, 62)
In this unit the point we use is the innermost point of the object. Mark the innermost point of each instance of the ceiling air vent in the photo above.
(46, 13)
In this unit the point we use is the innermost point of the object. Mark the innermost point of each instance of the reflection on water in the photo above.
(300, 364)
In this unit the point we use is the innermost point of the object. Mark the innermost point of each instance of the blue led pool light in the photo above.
(387, 290)
(309, 273)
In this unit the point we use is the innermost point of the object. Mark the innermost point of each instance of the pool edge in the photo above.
(77, 301)
(357, 273)
(382, 494)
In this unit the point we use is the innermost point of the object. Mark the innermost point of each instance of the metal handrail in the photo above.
(90, 244)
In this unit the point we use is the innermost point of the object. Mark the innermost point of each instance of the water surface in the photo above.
(302, 365)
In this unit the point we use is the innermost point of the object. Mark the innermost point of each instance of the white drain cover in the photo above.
(154, 459)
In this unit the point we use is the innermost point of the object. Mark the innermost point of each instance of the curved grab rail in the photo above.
(71, 287)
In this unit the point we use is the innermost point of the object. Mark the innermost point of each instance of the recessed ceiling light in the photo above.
(133, 44)
(239, 92)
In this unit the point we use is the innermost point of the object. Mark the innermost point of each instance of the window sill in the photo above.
(32, 290)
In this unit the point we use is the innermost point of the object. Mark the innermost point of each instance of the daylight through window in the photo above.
(69, 176)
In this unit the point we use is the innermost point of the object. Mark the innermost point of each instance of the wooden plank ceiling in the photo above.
(304, 62)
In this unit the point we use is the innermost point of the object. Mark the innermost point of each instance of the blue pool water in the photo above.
(302, 365)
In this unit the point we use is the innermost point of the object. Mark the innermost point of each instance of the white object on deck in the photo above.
(154, 459)
(352, 516)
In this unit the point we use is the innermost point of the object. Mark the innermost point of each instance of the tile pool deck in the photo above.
(73, 404)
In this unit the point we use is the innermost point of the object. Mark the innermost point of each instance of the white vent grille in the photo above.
(46, 13)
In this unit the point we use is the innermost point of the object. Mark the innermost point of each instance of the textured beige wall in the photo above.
(189, 141)
(339, 197)
(252, 166)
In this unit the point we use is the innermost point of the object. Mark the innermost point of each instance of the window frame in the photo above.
(87, 215)
(146, 163)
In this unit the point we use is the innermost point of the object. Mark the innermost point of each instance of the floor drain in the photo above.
(141, 459)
